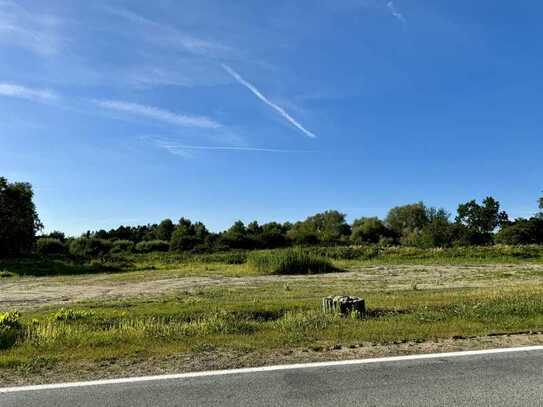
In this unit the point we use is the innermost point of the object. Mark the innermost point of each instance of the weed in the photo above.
(67, 314)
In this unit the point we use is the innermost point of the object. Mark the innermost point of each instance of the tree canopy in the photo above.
(408, 219)
(369, 230)
(327, 227)
(19, 220)
(410, 225)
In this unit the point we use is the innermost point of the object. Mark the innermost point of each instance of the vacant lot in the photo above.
(165, 316)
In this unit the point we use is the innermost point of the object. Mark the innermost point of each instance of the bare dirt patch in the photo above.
(28, 293)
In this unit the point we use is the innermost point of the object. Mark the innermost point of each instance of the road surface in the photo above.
(492, 379)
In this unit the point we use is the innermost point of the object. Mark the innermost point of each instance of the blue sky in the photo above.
(127, 112)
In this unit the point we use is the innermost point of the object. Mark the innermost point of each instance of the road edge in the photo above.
(388, 359)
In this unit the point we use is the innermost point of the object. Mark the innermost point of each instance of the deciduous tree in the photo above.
(19, 220)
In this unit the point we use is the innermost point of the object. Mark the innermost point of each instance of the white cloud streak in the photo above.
(22, 28)
(395, 12)
(264, 99)
(185, 150)
(174, 146)
(23, 92)
(158, 114)
(168, 36)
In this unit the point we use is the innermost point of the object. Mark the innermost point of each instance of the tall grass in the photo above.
(400, 253)
(289, 261)
(97, 332)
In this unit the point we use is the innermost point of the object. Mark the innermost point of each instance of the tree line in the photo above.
(414, 224)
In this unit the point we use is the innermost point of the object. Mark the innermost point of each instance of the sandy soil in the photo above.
(26, 293)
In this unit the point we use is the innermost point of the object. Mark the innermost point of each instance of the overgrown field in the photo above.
(340, 256)
(266, 319)
(227, 305)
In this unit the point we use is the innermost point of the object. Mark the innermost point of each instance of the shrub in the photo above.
(10, 328)
(50, 246)
(345, 252)
(89, 247)
(522, 232)
(109, 263)
(226, 258)
(289, 261)
(122, 246)
(152, 246)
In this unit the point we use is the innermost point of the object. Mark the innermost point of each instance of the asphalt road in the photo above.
(506, 379)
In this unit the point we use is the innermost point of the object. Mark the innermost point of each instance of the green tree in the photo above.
(164, 230)
(274, 235)
(237, 236)
(328, 227)
(188, 235)
(408, 219)
(19, 220)
(478, 222)
(438, 232)
(483, 218)
(369, 230)
(55, 235)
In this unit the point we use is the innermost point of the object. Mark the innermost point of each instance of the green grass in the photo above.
(264, 319)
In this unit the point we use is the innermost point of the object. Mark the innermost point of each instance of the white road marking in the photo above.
(268, 369)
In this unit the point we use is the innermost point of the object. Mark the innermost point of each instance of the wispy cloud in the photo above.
(168, 36)
(264, 99)
(24, 92)
(183, 72)
(395, 12)
(22, 28)
(184, 149)
(158, 114)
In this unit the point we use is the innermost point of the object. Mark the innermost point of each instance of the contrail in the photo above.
(174, 147)
(395, 12)
(263, 98)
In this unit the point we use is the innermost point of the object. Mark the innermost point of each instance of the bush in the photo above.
(89, 247)
(152, 246)
(10, 328)
(226, 258)
(522, 232)
(48, 246)
(289, 261)
(345, 252)
(122, 246)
